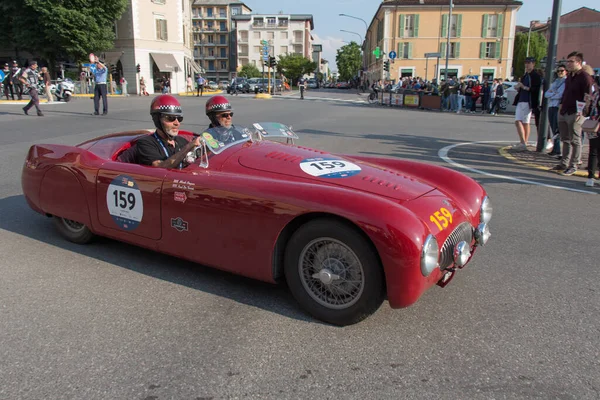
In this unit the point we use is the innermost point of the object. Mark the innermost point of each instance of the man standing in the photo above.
(7, 82)
(527, 100)
(46, 80)
(233, 86)
(100, 89)
(30, 79)
(16, 80)
(302, 86)
(200, 81)
(577, 85)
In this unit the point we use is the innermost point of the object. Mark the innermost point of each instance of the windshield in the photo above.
(220, 138)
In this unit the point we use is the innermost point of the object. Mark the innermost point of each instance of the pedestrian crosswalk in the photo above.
(326, 99)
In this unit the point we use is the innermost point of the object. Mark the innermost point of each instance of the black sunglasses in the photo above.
(225, 115)
(172, 118)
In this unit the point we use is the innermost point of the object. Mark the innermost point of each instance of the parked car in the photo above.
(344, 231)
(223, 85)
(312, 83)
(213, 85)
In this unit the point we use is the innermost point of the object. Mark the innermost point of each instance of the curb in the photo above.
(206, 92)
(263, 96)
(504, 153)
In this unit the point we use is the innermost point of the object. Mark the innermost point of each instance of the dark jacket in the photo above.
(535, 91)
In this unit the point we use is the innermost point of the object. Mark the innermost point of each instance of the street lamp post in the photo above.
(361, 43)
(448, 39)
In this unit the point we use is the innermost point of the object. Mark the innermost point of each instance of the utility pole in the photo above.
(448, 39)
(552, 50)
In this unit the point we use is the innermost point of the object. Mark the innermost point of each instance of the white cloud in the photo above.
(330, 46)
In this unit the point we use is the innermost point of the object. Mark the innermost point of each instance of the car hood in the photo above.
(330, 169)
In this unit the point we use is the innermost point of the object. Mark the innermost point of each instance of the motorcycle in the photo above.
(63, 90)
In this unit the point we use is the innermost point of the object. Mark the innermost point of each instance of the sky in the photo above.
(328, 23)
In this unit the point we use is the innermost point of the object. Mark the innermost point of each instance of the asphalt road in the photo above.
(113, 321)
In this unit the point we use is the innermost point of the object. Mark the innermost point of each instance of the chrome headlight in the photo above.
(429, 255)
(485, 212)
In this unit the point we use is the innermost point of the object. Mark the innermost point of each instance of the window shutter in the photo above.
(400, 50)
(459, 25)
(444, 26)
(401, 24)
(166, 35)
(498, 50)
(443, 49)
(416, 30)
(158, 31)
(482, 50)
(410, 47)
(500, 28)
(457, 50)
(485, 26)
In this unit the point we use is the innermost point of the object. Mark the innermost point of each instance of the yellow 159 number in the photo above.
(442, 218)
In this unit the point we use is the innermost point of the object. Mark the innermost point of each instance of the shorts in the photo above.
(523, 113)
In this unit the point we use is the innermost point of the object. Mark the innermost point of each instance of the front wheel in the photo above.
(333, 272)
(67, 97)
(73, 231)
(372, 98)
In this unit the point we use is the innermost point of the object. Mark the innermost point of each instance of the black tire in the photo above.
(67, 98)
(357, 287)
(73, 231)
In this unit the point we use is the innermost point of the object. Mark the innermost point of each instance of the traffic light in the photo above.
(137, 68)
(386, 66)
(272, 62)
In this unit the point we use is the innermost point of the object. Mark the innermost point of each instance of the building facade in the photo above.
(577, 28)
(214, 37)
(156, 35)
(284, 33)
(481, 38)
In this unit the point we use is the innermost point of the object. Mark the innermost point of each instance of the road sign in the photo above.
(265, 57)
(431, 55)
(392, 54)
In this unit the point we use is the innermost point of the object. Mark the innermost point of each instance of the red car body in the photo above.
(251, 199)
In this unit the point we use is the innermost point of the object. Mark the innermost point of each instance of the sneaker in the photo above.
(40, 114)
(569, 171)
(520, 147)
(589, 182)
(549, 145)
(25, 111)
(557, 168)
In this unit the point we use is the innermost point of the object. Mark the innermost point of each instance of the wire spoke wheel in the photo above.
(331, 273)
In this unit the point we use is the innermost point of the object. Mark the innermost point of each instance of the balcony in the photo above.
(243, 54)
(297, 40)
(222, 57)
(221, 16)
(258, 24)
(243, 40)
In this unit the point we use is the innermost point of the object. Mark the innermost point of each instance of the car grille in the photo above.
(463, 232)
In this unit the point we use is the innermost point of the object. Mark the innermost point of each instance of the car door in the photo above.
(128, 198)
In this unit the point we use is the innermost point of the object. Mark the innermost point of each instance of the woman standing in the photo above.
(475, 96)
(554, 94)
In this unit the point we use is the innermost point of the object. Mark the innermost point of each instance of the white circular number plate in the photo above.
(124, 202)
(329, 167)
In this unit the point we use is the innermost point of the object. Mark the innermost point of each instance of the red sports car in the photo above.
(345, 231)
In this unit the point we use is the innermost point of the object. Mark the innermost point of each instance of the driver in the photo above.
(220, 113)
(164, 149)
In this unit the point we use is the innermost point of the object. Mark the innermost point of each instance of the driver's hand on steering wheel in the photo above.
(197, 140)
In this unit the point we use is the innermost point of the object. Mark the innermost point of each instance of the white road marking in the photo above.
(443, 154)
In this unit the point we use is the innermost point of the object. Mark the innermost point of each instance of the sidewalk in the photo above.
(543, 161)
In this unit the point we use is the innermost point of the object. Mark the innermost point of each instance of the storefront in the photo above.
(164, 67)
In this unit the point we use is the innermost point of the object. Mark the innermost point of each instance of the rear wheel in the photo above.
(333, 272)
(73, 231)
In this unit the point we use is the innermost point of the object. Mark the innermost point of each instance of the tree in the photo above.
(250, 71)
(295, 65)
(348, 61)
(61, 29)
(538, 48)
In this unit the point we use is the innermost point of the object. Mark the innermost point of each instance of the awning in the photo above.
(165, 62)
(195, 67)
(112, 57)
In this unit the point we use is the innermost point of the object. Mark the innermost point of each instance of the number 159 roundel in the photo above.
(344, 231)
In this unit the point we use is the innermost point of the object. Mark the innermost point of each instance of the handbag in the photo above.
(591, 127)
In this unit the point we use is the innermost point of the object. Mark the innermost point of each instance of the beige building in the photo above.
(155, 34)
(284, 33)
(214, 36)
(481, 38)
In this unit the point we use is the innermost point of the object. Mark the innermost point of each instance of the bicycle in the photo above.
(373, 98)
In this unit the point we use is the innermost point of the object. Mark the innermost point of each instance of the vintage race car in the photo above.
(344, 231)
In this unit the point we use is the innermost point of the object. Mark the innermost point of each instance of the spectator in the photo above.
(577, 84)
(166, 85)
(47, 83)
(593, 111)
(475, 96)
(189, 88)
(453, 89)
(469, 96)
(527, 99)
(486, 92)
(554, 94)
(7, 82)
(16, 80)
(498, 96)
(143, 87)
(462, 87)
